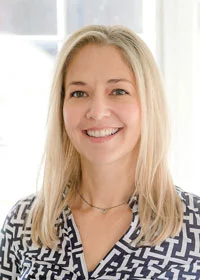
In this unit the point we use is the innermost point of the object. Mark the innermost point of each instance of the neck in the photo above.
(107, 185)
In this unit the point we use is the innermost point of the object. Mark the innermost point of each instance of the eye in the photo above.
(77, 94)
(120, 91)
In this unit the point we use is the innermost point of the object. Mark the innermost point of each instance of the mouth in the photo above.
(115, 131)
(102, 135)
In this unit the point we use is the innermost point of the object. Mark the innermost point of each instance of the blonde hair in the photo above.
(160, 208)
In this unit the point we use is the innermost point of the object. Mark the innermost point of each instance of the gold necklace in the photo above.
(104, 210)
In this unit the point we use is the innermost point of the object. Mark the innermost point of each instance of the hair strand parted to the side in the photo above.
(160, 208)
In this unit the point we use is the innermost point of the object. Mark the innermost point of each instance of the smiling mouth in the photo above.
(103, 136)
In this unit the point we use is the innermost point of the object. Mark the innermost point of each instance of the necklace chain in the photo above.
(104, 210)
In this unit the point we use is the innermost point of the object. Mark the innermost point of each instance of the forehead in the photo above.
(98, 60)
(89, 50)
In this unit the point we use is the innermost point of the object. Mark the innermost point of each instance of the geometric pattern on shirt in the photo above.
(176, 258)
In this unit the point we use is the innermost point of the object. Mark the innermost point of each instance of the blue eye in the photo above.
(119, 91)
(77, 94)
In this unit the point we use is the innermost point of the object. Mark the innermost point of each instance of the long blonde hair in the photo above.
(160, 208)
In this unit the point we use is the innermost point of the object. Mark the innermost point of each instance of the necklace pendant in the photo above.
(104, 211)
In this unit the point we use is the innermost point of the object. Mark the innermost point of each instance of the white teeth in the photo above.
(102, 133)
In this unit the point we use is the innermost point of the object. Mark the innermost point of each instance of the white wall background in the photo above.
(180, 37)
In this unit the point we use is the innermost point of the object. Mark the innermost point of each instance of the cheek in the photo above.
(67, 116)
(72, 117)
(132, 114)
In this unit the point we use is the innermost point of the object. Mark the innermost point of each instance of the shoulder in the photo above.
(191, 202)
(19, 213)
(191, 210)
(11, 237)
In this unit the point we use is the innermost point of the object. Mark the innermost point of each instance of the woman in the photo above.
(108, 208)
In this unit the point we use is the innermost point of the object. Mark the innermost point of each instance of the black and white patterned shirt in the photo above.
(176, 258)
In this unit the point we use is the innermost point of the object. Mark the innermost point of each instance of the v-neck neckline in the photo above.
(123, 239)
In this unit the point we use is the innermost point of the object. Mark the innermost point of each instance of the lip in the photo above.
(101, 128)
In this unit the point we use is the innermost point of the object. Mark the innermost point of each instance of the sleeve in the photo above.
(9, 265)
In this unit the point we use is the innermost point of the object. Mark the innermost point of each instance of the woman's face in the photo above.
(101, 109)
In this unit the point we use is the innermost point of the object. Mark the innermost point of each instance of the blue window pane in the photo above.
(34, 17)
(85, 12)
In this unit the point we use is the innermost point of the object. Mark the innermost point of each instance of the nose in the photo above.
(98, 109)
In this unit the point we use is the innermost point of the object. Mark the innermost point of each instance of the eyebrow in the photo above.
(110, 81)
